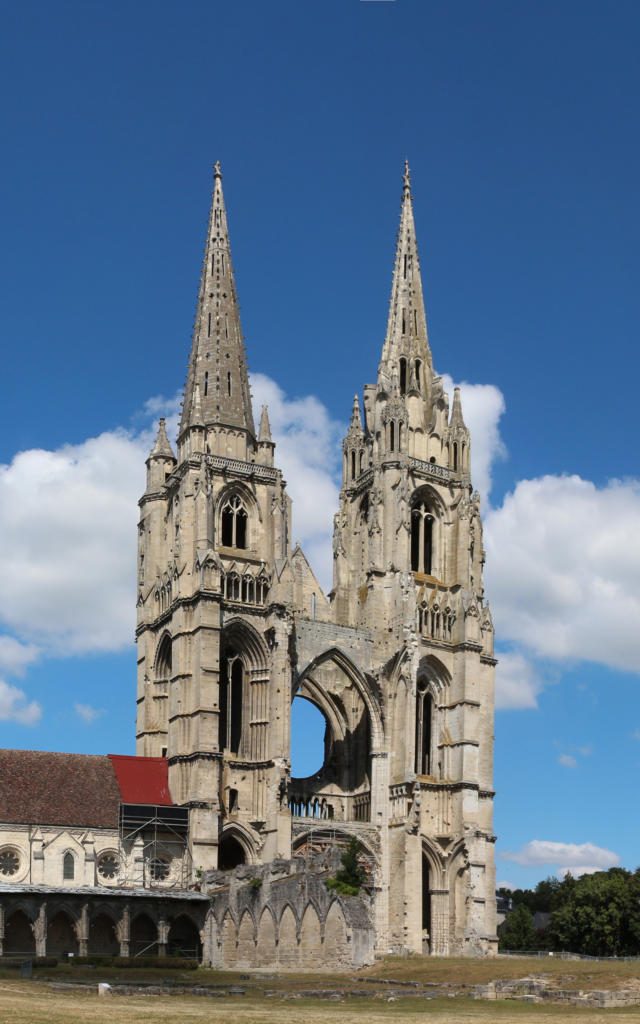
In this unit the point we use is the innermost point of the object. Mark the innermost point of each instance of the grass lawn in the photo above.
(36, 1002)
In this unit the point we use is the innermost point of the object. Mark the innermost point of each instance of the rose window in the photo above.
(108, 866)
(9, 862)
(159, 869)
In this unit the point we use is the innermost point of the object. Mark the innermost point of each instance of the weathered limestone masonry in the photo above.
(282, 914)
(233, 625)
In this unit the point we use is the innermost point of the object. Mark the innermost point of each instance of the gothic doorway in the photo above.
(426, 906)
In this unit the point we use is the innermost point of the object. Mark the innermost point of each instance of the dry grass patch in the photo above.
(35, 1003)
(567, 974)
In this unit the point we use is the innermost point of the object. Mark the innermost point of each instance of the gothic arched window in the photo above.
(231, 700)
(68, 867)
(424, 720)
(403, 376)
(421, 538)
(233, 522)
(164, 658)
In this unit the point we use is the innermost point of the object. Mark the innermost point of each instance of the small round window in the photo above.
(108, 866)
(159, 869)
(9, 862)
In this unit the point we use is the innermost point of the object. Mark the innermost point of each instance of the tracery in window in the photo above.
(231, 700)
(424, 717)
(234, 523)
(159, 869)
(9, 862)
(108, 865)
(421, 538)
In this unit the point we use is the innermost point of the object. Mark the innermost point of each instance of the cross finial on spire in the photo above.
(407, 177)
(217, 170)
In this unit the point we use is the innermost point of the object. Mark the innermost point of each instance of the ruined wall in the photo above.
(281, 915)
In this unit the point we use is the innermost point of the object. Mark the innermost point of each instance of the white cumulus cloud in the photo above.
(88, 713)
(308, 453)
(577, 858)
(15, 707)
(567, 760)
(517, 681)
(563, 564)
(482, 407)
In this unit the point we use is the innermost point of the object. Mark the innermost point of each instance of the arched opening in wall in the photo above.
(68, 867)
(392, 436)
(424, 720)
(308, 738)
(336, 784)
(61, 935)
(233, 523)
(231, 700)
(426, 906)
(455, 455)
(403, 376)
(418, 374)
(353, 465)
(164, 658)
(421, 538)
(18, 934)
(231, 853)
(144, 936)
(184, 939)
(103, 940)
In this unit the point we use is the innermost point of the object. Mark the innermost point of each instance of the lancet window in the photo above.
(231, 702)
(164, 659)
(424, 728)
(233, 522)
(421, 538)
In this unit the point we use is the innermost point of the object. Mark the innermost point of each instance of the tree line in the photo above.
(597, 915)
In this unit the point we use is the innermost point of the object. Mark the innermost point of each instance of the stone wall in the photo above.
(281, 915)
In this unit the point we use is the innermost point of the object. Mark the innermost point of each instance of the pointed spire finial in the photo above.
(356, 419)
(217, 170)
(162, 446)
(407, 178)
(264, 432)
(456, 410)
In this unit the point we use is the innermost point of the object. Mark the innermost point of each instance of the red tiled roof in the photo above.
(86, 790)
(40, 787)
(142, 780)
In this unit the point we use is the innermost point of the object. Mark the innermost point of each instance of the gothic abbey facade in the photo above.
(232, 625)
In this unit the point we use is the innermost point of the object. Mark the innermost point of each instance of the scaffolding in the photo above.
(154, 847)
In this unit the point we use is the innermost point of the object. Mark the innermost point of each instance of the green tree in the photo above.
(598, 914)
(517, 931)
(348, 880)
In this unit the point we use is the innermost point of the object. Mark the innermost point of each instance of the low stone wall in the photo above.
(281, 915)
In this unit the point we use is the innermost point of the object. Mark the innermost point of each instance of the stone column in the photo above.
(1, 929)
(163, 936)
(83, 930)
(123, 930)
(439, 938)
(39, 928)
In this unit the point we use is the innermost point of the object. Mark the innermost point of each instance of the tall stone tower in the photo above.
(233, 626)
(408, 560)
(213, 656)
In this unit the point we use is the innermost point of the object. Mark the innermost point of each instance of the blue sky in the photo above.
(520, 124)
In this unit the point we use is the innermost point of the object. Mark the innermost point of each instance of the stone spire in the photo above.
(217, 365)
(407, 325)
(456, 411)
(356, 421)
(162, 447)
(264, 433)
